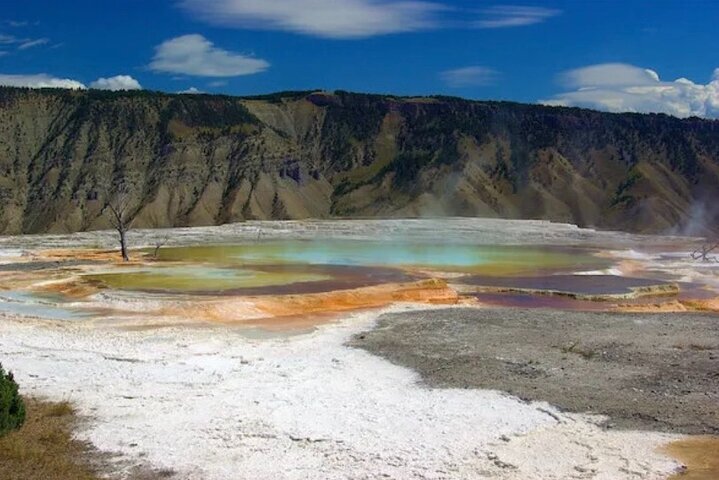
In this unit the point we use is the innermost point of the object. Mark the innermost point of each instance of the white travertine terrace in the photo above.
(214, 404)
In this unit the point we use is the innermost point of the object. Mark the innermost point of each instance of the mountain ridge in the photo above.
(203, 159)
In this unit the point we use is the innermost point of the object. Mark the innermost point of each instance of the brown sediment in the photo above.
(699, 455)
(672, 306)
(432, 291)
(251, 310)
(108, 256)
(703, 305)
(64, 283)
(16, 280)
(71, 287)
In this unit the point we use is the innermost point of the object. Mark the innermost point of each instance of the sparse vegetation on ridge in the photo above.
(212, 159)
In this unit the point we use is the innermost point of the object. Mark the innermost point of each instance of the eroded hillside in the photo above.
(200, 160)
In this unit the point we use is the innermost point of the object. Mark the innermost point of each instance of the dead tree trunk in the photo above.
(123, 246)
(119, 216)
(703, 252)
(159, 243)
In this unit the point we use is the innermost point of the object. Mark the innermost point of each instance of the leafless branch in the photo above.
(159, 243)
(118, 213)
(703, 253)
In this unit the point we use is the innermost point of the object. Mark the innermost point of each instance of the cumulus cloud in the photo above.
(343, 19)
(505, 16)
(118, 82)
(40, 80)
(617, 87)
(191, 91)
(197, 56)
(469, 76)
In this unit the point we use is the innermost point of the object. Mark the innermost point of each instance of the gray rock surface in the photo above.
(644, 371)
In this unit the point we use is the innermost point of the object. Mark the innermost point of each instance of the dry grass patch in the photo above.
(44, 448)
(60, 409)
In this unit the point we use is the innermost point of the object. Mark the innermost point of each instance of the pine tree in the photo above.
(12, 408)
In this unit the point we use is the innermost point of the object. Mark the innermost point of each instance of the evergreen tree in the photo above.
(12, 408)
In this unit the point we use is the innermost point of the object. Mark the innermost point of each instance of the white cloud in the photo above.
(40, 80)
(7, 39)
(32, 43)
(322, 18)
(118, 82)
(504, 16)
(190, 91)
(195, 55)
(22, 43)
(617, 87)
(609, 74)
(469, 76)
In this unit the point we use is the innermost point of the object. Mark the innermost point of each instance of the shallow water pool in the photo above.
(27, 304)
(199, 278)
(301, 266)
(459, 257)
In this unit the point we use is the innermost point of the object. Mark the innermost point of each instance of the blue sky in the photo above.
(610, 55)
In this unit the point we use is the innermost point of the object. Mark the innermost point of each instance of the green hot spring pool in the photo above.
(290, 262)
(199, 278)
(460, 257)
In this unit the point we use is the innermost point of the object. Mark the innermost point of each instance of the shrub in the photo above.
(12, 408)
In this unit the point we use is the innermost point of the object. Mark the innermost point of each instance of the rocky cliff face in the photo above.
(200, 160)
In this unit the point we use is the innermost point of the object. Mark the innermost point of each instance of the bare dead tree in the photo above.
(118, 212)
(703, 253)
(159, 243)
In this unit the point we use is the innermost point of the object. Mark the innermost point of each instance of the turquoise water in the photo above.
(33, 305)
(393, 254)
(268, 264)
